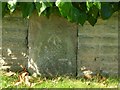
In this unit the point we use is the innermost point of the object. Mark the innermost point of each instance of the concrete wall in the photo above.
(14, 41)
(53, 45)
(98, 46)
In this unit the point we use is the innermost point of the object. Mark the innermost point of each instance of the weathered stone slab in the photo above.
(52, 46)
(14, 42)
(98, 46)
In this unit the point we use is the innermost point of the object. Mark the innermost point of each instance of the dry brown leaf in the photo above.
(21, 78)
(24, 78)
(88, 76)
(10, 73)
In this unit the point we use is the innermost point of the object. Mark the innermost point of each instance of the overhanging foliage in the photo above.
(78, 12)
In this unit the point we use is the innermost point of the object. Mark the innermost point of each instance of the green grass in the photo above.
(62, 82)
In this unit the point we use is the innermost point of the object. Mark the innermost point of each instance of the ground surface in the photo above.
(58, 82)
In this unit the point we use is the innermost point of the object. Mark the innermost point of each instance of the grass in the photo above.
(59, 82)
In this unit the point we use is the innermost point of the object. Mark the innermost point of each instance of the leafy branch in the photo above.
(78, 12)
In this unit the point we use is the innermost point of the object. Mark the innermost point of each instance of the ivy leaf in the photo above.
(106, 10)
(82, 18)
(116, 6)
(12, 5)
(64, 7)
(89, 5)
(27, 8)
(47, 12)
(49, 4)
(94, 11)
(76, 16)
(92, 20)
(98, 5)
(70, 12)
(83, 6)
(0, 10)
(41, 6)
(93, 14)
(50, 10)
(73, 14)
(4, 4)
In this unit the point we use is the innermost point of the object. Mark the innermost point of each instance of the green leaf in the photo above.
(93, 14)
(97, 4)
(76, 16)
(48, 4)
(83, 6)
(12, 5)
(89, 5)
(82, 18)
(116, 6)
(41, 6)
(47, 12)
(94, 11)
(73, 14)
(92, 20)
(70, 12)
(64, 7)
(50, 10)
(4, 6)
(0, 10)
(106, 10)
(27, 8)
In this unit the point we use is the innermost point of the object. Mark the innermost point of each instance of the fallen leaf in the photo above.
(24, 78)
(21, 78)
(10, 73)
